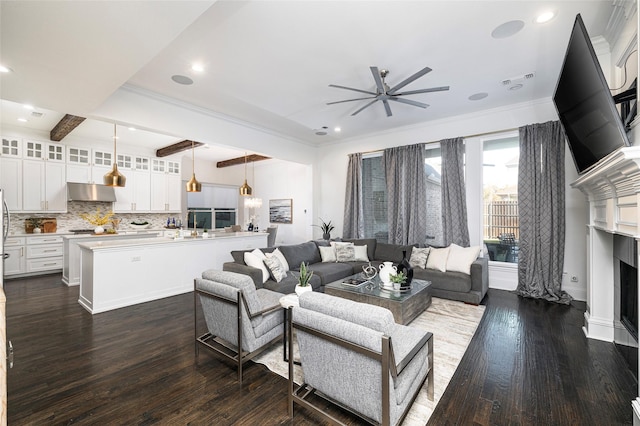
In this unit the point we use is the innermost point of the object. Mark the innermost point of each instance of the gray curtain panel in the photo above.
(454, 203)
(406, 194)
(353, 203)
(541, 200)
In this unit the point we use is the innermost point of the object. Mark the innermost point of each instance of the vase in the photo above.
(326, 236)
(387, 269)
(98, 230)
(405, 267)
(37, 230)
(303, 289)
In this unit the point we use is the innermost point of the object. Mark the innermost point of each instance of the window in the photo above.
(500, 198)
(433, 172)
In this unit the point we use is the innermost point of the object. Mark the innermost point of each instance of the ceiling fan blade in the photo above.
(349, 100)
(408, 80)
(387, 108)
(377, 78)
(366, 106)
(429, 90)
(351, 88)
(409, 102)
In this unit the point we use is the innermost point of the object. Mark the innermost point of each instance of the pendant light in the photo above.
(245, 189)
(253, 202)
(193, 185)
(114, 177)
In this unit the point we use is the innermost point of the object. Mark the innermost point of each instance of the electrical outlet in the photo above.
(138, 259)
(574, 279)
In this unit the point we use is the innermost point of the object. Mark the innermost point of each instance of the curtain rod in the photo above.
(495, 132)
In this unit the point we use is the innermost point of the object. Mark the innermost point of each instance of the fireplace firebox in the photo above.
(625, 271)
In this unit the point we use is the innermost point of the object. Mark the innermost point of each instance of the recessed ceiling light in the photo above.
(22, 120)
(182, 79)
(516, 87)
(197, 67)
(478, 96)
(507, 29)
(27, 106)
(545, 17)
(4, 68)
(337, 129)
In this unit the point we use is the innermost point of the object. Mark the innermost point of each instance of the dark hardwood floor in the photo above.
(529, 363)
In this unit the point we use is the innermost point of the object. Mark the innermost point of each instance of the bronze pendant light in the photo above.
(114, 177)
(193, 185)
(245, 189)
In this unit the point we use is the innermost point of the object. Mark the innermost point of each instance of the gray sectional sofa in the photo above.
(448, 285)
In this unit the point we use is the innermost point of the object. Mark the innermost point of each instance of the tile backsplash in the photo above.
(72, 219)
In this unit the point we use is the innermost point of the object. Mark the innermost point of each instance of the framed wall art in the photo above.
(281, 211)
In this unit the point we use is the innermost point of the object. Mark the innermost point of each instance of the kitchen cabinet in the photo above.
(135, 196)
(11, 182)
(101, 165)
(36, 150)
(47, 189)
(44, 254)
(165, 186)
(11, 147)
(16, 262)
(78, 165)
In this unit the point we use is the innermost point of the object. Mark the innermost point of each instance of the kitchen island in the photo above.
(119, 273)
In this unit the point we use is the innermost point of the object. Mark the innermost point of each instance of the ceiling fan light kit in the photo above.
(385, 93)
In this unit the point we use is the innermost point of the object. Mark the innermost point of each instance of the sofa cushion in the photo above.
(255, 259)
(296, 254)
(369, 242)
(328, 254)
(451, 281)
(419, 257)
(461, 258)
(438, 259)
(330, 272)
(391, 252)
(238, 255)
(276, 269)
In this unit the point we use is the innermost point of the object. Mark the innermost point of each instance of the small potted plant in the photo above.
(98, 220)
(326, 228)
(303, 281)
(205, 233)
(35, 223)
(398, 280)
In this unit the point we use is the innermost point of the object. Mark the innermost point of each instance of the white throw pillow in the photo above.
(419, 257)
(461, 258)
(345, 252)
(360, 253)
(255, 259)
(438, 259)
(328, 254)
(277, 253)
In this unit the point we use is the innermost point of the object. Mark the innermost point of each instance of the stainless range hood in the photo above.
(90, 192)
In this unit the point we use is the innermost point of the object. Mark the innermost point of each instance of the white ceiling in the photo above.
(270, 62)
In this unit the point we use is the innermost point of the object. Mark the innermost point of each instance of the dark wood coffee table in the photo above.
(405, 306)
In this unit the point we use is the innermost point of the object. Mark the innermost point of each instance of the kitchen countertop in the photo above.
(99, 245)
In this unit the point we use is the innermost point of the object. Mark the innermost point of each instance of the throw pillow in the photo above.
(345, 252)
(275, 267)
(438, 259)
(328, 254)
(360, 253)
(461, 258)
(277, 253)
(254, 259)
(419, 257)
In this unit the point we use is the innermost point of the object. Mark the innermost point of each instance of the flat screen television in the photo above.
(585, 105)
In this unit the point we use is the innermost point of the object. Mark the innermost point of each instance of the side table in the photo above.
(287, 302)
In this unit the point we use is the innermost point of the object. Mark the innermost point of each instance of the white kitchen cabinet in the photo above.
(37, 150)
(135, 197)
(16, 262)
(44, 186)
(78, 165)
(11, 182)
(165, 186)
(44, 254)
(11, 147)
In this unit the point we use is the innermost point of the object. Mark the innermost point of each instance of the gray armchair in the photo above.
(237, 316)
(356, 356)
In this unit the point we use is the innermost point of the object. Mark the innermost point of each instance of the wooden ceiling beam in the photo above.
(240, 160)
(65, 126)
(177, 147)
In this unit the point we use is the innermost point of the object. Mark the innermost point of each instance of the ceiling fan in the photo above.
(384, 93)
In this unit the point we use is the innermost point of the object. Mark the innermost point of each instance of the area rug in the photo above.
(452, 324)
